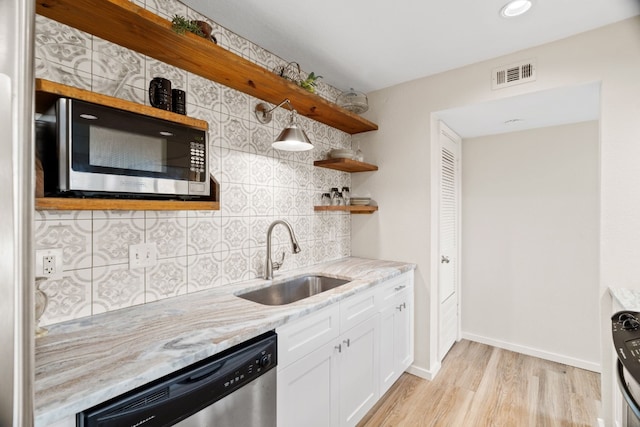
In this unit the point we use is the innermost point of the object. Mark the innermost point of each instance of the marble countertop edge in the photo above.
(628, 299)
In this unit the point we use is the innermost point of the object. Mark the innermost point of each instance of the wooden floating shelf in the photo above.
(116, 204)
(47, 92)
(126, 24)
(350, 209)
(346, 165)
(60, 203)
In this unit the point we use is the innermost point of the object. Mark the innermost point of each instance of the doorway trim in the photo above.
(434, 303)
(449, 311)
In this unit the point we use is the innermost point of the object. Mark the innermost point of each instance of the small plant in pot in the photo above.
(181, 25)
(310, 82)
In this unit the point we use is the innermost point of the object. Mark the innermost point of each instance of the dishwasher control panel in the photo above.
(262, 361)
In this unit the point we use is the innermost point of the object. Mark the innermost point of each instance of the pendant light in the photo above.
(292, 137)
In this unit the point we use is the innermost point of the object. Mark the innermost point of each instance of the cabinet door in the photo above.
(396, 337)
(307, 391)
(403, 336)
(359, 371)
(388, 352)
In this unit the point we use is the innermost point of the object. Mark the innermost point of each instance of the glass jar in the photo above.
(325, 199)
(346, 195)
(358, 154)
(333, 192)
(336, 198)
(339, 199)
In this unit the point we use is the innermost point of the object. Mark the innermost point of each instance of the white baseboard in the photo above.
(424, 373)
(578, 363)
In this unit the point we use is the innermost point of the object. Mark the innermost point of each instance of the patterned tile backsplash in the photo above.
(196, 250)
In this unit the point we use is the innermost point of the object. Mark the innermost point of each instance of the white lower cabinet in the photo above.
(308, 391)
(358, 373)
(396, 331)
(341, 377)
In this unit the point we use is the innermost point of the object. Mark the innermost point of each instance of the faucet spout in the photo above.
(295, 248)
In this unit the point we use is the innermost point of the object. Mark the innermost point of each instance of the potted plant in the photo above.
(310, 82)
(181, 25)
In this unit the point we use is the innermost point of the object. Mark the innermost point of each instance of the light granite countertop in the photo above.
(629, 299)
(84, 362)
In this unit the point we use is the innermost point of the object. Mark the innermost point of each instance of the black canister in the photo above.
(179, 101)
(160, 93)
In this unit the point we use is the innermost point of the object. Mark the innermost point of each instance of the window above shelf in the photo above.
(126, 24)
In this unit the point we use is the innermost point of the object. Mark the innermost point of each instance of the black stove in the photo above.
(625, 328)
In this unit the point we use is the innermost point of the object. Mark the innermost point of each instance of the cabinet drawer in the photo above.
(393, 288)
(306, 334)
(357, 308)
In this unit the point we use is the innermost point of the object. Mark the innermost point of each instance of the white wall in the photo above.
(401, 228)
(530, 242)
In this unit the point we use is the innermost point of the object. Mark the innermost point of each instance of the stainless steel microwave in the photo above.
(93, 150)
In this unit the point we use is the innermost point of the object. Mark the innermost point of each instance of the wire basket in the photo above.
(290, 71)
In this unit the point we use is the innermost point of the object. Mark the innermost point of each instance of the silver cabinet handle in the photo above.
(445, 259)
(339, 348)
(402, 306)
(401, 287)
(347, 342)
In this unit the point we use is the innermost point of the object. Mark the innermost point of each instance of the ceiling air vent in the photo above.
(514, 74)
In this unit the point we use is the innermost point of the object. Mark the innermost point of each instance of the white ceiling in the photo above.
(373, 44)
(554, 107)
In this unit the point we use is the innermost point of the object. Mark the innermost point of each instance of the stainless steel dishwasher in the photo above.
(236, 388)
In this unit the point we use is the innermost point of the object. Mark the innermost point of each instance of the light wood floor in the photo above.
(479, 385)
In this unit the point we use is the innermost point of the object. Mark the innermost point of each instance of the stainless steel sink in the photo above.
(293, 290)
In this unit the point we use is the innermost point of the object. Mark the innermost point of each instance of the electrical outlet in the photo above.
(143, 255)
(49, 262)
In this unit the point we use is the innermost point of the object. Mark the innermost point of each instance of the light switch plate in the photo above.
(143, 255)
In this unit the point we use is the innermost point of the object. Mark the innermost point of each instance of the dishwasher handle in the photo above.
(203, 374)
(208, 377)
(225, 374)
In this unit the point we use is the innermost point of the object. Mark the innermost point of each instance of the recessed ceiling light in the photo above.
(516, 8)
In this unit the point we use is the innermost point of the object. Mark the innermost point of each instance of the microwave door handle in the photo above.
(626, 393)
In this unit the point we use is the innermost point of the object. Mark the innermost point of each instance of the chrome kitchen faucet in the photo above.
(295, 248)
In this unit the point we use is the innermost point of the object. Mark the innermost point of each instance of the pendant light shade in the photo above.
(292, 137)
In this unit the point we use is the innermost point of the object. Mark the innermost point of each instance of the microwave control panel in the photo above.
(197, 157)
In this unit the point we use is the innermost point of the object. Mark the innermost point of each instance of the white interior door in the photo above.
(449, 239)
